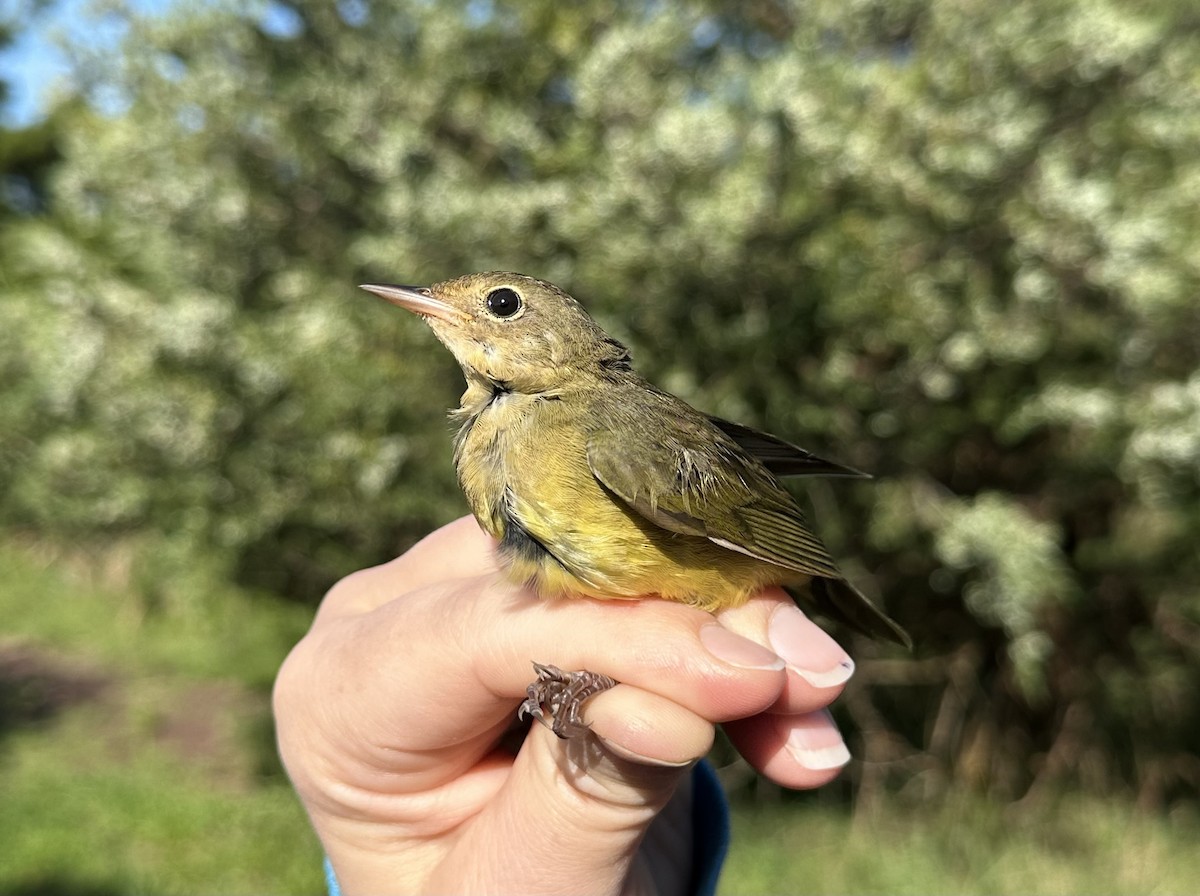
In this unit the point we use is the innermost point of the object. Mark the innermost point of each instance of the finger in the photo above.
(457, 550)
(818, 667)
(797, 751)
(646, 728)
(447, 665)
(580, 807)
(675, 651)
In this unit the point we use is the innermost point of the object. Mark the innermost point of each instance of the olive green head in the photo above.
(508, 329)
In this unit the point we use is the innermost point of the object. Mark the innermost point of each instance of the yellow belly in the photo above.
(523, 468)
(598, 547)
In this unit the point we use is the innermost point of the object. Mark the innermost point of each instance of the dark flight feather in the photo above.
(780, 457)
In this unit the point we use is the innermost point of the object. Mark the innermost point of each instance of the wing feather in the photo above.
(693, 479)
(706, 477)
(780, 457)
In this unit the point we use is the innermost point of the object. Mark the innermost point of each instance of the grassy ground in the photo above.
(136, 756)
(136, 753)
(1075, 847)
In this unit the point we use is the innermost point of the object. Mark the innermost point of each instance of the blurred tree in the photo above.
(953, 243)
(26, 153)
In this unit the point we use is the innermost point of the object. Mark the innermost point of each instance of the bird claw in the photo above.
(556, 698)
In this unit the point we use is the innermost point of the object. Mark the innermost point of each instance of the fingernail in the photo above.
(736, 650)
(807, 649)
(630, 756)
(816, 744)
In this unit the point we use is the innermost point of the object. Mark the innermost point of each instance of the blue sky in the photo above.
(35, 62)
(32, 63)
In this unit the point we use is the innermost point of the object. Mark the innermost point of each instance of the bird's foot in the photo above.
(556, 698)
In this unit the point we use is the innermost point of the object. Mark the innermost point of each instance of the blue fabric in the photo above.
(710, 834)
(331, 884)
(711, 831)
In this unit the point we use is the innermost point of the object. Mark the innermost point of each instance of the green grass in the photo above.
(146, 822)
(201, 627)
(1075, 847)
(136, 757)
(136, 753)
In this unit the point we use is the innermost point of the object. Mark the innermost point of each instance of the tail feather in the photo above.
(842, 602)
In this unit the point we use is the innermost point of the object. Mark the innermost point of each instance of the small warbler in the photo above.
(597, 484)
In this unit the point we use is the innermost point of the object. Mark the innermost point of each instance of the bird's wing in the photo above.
(780, 457)
(687, 476)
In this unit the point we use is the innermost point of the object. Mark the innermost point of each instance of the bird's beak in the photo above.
(416, 299)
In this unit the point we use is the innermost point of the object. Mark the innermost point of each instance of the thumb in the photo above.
(581, 807)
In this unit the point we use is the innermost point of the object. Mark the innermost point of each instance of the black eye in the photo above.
(504, 302)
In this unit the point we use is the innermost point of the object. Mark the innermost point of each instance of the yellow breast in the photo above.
(523, 466)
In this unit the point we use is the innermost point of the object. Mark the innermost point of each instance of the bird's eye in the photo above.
(504, 302)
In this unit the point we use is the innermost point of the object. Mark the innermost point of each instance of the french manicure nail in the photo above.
(736, 650)
(807, 649)
(816, 744)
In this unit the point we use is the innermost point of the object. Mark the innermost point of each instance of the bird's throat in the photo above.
(500, 390)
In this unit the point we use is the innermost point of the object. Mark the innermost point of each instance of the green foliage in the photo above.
(956, 244)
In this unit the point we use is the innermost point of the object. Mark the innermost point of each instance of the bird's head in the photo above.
(511, 331)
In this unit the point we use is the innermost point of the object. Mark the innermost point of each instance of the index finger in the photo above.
(458, 550)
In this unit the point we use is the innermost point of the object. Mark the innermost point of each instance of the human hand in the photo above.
(392, 716)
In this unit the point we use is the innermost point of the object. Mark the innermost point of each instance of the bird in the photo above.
(597, 484)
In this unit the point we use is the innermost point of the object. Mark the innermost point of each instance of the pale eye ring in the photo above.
(504, 301)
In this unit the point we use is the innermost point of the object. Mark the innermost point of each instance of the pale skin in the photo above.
(391, 711)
